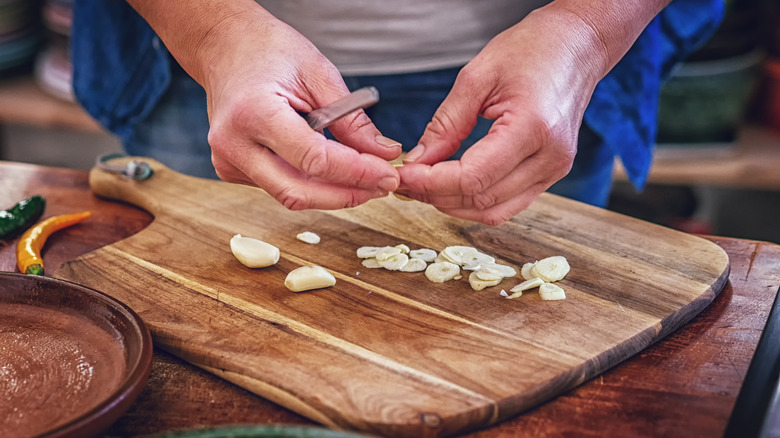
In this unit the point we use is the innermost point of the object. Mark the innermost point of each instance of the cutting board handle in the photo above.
(148, 194)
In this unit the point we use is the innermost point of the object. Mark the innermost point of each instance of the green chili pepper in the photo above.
(21, 216)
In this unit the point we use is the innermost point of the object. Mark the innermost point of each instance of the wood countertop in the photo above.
(684, 385)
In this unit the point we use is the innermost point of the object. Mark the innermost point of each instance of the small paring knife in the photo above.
(361, 98)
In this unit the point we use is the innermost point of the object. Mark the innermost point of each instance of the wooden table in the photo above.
(685, 385)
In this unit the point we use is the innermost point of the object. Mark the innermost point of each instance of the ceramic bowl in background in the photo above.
(73, 359)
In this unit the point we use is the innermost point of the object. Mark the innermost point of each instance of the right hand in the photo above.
(258, 74)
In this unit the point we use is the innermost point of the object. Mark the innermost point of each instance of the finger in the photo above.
(453, 120)
(535, 170)
(263, 168)
(279, 127)
(499, 213)
(486, 163)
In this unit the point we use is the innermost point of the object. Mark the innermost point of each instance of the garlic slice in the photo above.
(308, 237)
(403, 247)
(371, 263)
(309, 278)
(477, 259)
(442, 271)
(528, 284)
(365, 252)
(424, 254)
(253, 253)
(414, 265)
(459, 254)
(550, 292)
(478, 283)
(386, 252)
(395, 262)
(525, 271)
(518, 290)
(485, 273)
(551, 268)
(493, 270)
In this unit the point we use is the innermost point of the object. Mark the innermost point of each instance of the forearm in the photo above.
(195, 32)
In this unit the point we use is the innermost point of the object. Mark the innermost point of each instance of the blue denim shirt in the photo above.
(121, 69)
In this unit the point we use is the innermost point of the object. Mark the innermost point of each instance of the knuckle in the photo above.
(359, 121)
(474, 181)
(355, 199)
(497, 217)
(484, 200)
(314, 161)
(293, 199)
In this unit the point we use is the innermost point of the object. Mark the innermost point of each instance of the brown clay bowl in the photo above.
(72, 359)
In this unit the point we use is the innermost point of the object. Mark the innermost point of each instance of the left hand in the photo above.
(535, 80)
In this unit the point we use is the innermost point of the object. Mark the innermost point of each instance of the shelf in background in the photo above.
(23, 102)
(753, 162)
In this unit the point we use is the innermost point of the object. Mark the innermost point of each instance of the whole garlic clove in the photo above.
(253, 253)
(309, 278)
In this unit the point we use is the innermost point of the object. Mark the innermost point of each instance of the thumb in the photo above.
(451, 124)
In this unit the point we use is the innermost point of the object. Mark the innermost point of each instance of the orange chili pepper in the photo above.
(28, 251)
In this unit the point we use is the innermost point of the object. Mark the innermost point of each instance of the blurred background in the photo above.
(717, 162)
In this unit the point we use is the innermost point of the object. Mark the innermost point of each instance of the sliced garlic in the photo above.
(309, 278)
(403, 247)
(478, 284)
(308, 237)
(524, 286)
(551, 269)
(485, 273)
(441, 258)
(395, 262)
(505, 271)
(414, 265)
(550, 292)
(528, 284)
(425, 254)
(371, 263)
(253, 253)
(365, 252)
(458, 254)
(477, 259)
(386, 252)
(442, 271)
(525, 271)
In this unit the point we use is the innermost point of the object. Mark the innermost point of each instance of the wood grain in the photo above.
(388, 352)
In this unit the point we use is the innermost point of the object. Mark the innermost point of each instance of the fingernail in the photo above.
(387, 142)
(388, 183)
(414, 154)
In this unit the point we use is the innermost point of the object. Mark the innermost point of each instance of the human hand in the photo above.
(260, 73)
(535, 81)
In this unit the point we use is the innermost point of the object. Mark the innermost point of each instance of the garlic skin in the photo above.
(254, 253)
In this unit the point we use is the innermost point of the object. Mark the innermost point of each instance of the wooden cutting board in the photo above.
(386, 352)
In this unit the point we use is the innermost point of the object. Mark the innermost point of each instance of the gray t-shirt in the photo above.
(399, 36)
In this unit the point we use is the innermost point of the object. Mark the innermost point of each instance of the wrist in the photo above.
(198, 34)
(606, 30)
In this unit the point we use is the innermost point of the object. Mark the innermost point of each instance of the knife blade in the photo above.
(358, 99)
